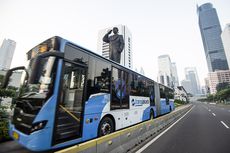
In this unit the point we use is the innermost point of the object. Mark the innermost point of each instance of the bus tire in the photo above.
(106, 126)
(151, 114)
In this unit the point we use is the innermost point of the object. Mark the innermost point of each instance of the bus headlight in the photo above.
(38, 126)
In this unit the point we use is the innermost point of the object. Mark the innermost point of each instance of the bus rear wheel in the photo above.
(106, 126)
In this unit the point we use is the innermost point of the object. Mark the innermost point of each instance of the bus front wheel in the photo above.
(106, 126)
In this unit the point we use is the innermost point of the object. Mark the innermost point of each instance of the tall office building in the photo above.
(187, 84)
(191, 74)
(226, 42)
(6, 53)
(210, 32)
(165, 70)
(174, 75)
(126, 55)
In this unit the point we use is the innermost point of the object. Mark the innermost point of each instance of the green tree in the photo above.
(222, 86)
(4, 121)
(211, 97)
(7, 93)
(4, 116)
(1, 80)
(223, 94)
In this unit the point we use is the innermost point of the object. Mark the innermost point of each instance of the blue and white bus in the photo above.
(69, 95)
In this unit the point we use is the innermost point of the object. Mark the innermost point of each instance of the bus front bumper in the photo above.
(36, 141)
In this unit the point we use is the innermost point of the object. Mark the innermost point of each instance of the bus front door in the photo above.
(68, 123)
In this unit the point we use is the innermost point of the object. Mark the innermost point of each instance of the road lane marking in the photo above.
(213, 114)
(224, 124)
(209, 110)
(157, 137)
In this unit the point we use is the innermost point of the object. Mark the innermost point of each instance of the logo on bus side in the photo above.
(139, 102)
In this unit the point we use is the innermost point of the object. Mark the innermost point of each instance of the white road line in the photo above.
(224, 124)
(153, 140)
(213, 114)
(209, 110)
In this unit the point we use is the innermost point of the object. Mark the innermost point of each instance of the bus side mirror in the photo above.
(9, 73)
(6, 79)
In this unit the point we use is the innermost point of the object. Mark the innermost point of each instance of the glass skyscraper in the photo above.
(6, 53)
(191, 74)
(211, 35)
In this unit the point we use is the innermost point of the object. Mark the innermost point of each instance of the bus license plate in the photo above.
(15, 135)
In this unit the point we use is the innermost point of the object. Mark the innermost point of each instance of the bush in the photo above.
(7, 93)
(221, 95)
(4, 116)
(180, 101)
(4, 124)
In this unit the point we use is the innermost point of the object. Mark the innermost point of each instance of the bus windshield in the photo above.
(39, 83)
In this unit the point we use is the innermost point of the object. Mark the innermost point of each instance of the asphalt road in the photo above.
(12, 147)
(205, 129)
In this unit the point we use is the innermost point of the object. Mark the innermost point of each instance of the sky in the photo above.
(158, 27)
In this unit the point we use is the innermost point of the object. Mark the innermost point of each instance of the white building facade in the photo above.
(214, 78)
(6, 53)
(181, 94)
(175, 75)
(167, 72)
(191, 74)
(126, 55)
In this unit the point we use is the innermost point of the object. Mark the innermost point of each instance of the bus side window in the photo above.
(152, 95)
(116, 89)
(142, 87)
(134, 85)
(126, 90)
(162, 91)
(99, 74)
(167, 96)
(120, 89)
(171, 94)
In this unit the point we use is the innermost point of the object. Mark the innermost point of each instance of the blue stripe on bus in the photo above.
(171, 104)
(146, 113)
(93, 113)
(164, 107)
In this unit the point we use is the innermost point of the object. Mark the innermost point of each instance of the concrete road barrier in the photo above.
(125, 140)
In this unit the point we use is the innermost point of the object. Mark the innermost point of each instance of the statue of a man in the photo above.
(116, 44)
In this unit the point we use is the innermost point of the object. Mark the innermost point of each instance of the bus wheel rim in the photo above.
(106, 128)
